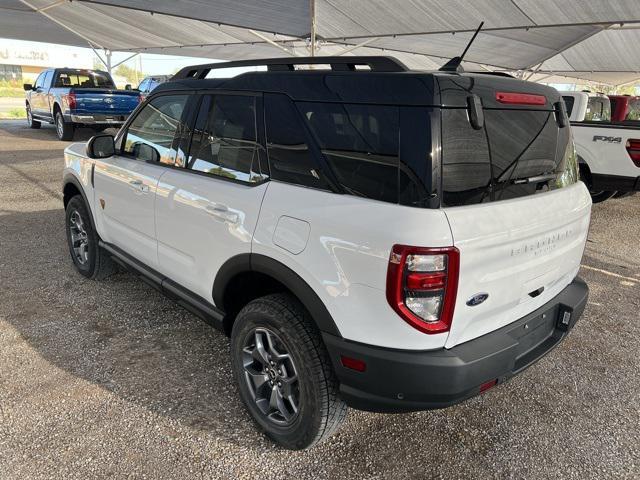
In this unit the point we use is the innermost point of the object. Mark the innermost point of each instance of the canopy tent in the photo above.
(593, 40)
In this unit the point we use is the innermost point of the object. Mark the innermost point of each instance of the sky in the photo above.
(152, 64)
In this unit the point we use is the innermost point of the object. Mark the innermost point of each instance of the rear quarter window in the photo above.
(360, 144)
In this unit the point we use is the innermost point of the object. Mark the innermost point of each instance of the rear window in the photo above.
(634, 111)
(518, 153)
(83, 79)
(598, 109)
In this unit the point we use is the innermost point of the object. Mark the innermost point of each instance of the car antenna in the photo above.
(455, 64)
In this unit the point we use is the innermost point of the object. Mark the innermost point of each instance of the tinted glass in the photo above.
(40, 80)
(83, 79)
(150, 135)
(598, 110)
(518, 153)
(466, 168)
(290, 159)
(143, 85)
(225, 141)
(569, 101)
(634, 111)
(360, 143)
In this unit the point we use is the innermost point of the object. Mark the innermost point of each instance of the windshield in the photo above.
(83, 79)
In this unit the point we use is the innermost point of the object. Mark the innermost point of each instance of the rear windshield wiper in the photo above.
(535, 179)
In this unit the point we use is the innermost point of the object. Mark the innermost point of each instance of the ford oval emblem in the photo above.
(477, 299)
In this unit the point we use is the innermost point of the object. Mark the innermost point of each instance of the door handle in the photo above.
(139, 185)
(222, 213)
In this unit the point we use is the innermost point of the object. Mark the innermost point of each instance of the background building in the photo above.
(23, 61)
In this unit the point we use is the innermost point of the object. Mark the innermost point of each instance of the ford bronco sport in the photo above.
(366, 235)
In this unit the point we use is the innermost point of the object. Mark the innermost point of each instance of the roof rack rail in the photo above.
(375, 63)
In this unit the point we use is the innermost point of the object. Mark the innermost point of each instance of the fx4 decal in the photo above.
(600, 138)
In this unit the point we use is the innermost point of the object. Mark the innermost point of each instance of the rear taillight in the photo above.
(633, 149)
(422, 284)
(140, 98)
(514, 98)
(71, 100)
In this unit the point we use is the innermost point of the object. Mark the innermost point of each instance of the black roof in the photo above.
(379, 80)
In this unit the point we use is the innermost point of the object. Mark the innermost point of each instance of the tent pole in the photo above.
(312, 7)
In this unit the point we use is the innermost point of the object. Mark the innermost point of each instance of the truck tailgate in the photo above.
(102, 101)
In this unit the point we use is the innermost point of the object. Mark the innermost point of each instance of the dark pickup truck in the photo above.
(70, 97)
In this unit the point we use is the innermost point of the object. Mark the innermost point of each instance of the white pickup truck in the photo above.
(608, 153)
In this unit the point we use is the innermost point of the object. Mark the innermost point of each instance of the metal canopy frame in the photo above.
(621, 15)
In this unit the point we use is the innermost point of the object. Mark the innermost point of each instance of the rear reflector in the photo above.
(487, 385)
(513, 98)
(353, 363)
(633, 149)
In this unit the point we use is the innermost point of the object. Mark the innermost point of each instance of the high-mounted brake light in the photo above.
(514, 98)
(422, 284)
(633, 149)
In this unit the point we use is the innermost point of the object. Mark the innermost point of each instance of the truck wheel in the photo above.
(30, 121)
(597, 196)
(89, 259)
(284, 373)
(64, 129)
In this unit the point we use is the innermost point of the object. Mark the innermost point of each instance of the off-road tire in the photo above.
(320, 411)
(98, 265)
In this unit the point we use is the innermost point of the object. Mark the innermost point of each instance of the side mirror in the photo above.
(146, 153)
(27, 86)
(101, 146)
(127, 86)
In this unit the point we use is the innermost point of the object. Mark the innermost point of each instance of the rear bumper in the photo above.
(614, 183)
(97, 119)
(401, 380)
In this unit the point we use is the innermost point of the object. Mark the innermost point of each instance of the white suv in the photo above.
(367, 236)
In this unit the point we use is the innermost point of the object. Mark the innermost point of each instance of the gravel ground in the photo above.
(110, 379)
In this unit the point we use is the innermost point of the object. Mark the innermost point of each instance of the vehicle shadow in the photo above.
(120, 333)
(20, 129)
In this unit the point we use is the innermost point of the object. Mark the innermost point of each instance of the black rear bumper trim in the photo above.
(402, 380)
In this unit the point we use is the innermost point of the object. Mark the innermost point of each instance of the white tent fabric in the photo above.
(564, 38)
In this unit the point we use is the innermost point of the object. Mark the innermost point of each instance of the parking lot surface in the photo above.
(111, 379)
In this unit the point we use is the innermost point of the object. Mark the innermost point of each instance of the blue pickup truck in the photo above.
(71, 98)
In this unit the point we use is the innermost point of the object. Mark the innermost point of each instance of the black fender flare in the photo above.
(254, 262)
(72, 179)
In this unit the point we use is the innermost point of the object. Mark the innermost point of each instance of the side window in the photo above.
(46, 83)
(225, 140)
(40, 80)
(150, 135)
(569, 101)
(143, 85)
(289, 157)
(360, 143)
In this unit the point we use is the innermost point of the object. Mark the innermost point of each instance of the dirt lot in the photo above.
(111, 379)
